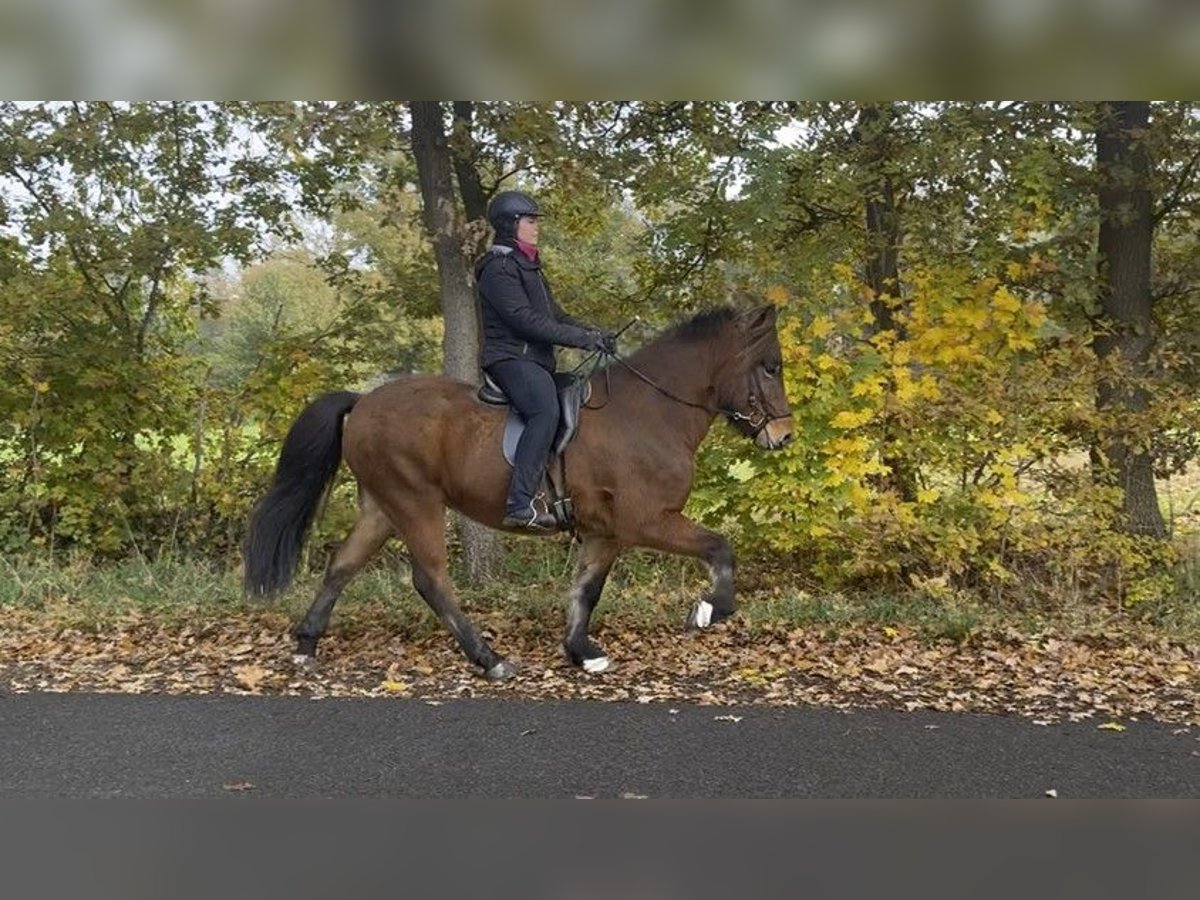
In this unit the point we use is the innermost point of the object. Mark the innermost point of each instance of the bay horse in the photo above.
(421, 443)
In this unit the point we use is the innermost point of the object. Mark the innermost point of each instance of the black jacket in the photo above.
(518, 314)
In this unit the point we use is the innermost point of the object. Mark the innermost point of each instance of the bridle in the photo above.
(759, 418)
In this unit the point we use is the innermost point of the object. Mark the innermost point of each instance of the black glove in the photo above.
(603, 341)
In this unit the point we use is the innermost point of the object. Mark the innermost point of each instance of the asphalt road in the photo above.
(141, 746)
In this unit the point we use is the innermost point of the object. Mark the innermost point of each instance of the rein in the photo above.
(711, 410)
(734, 415)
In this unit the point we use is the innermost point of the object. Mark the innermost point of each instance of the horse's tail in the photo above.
(310, 456)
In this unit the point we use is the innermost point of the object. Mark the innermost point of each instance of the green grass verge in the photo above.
(645, 591)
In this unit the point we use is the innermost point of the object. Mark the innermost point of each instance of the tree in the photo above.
(120, 210)
(435, 166)
(1127, 336)
(873, 134)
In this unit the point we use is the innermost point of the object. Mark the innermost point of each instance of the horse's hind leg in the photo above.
(424, 532)
(366, 537)
(595, 561)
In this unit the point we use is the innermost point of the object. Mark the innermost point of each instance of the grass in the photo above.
(164, 587)
(646, 591)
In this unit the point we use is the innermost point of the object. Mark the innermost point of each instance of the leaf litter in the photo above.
(1046, 678)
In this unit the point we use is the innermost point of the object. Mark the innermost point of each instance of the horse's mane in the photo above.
(703, 326)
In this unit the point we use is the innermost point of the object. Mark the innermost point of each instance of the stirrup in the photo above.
(530, 521)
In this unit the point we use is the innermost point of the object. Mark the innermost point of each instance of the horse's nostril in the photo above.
(786, 439)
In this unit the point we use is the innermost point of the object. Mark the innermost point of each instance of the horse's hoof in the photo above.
(596, 665)
(304, 662)
(701, 615)
(501, 671)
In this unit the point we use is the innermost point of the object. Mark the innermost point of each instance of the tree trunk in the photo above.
(882, 260)
(461, 342)
(1126, 232)
(882, 220)
(463, 152)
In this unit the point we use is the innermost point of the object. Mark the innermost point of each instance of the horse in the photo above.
(421, 443)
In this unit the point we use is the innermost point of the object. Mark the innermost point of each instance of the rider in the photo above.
(521, 323)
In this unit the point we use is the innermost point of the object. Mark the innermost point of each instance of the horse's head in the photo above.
(751, 386)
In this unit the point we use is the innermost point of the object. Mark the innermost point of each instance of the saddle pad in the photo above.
(514, 427)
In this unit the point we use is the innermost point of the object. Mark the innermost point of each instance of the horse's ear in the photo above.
(760, 319)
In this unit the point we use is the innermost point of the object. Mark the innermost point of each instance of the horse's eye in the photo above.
(772, 369)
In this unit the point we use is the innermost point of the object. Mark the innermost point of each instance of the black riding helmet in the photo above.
(508, 206)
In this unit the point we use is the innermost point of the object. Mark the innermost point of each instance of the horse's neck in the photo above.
(685, 371)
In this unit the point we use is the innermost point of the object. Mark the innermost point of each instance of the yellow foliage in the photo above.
(827, 363)
(849, 418)
(968, 404)
(1004, 303)
(777, 294)
(822, 326)
(872, 386)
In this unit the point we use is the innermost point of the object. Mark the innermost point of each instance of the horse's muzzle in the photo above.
(776, 435)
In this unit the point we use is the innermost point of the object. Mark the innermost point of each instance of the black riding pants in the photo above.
(532, 391)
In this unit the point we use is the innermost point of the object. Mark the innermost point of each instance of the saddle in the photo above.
(573, 393)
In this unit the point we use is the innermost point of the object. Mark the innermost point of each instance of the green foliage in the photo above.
(177, 280)
(988, 402)
(141, 409)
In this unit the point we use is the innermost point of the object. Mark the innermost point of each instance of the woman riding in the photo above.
(521, 324)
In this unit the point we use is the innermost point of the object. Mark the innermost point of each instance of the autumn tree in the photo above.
(1126, 335)
(444, 222)
(957, 336)
(121, 209)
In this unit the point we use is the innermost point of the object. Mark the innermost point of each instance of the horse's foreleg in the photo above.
(425, 535)
(595, 561)
(678, 534)
(366, 537)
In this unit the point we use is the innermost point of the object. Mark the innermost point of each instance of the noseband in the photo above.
(760, 416)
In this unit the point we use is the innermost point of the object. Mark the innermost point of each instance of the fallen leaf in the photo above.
(1047, 677)
(395, 687)
(238, 786)
(1052, 794)
(727, 718)
(1111, 726)
(250, 676)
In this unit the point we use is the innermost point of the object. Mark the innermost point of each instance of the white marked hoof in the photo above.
(304, 661)
(501, 671)
(596, 665)
(702, 614)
